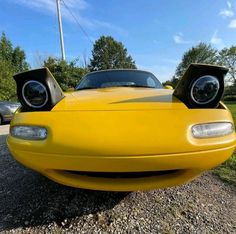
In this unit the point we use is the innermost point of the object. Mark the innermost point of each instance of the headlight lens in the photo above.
(205, 89)
(29, 132)
(35, 94)
(212, 129)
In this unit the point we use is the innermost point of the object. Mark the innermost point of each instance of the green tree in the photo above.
(7, 84)
(173, 82)
(227, 57)
(12, 60)
(110, 54)
(202, 53)
(67, 74)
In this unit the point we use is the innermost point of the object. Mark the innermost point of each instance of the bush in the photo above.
(230, 98)
(67, 74)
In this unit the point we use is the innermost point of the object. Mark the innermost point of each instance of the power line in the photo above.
(77, 22)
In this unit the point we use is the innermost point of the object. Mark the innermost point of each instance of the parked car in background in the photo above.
(7, 109)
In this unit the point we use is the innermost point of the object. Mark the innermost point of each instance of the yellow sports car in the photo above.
(121, 130)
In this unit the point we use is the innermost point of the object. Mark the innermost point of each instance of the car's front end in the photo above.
(122, 139)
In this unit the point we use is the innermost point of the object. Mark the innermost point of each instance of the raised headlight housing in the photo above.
(202, 86)
(37, 90)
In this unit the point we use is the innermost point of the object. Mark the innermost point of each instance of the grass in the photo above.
(227, 170)
(232, 107)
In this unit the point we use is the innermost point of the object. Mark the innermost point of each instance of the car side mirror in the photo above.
(168, 87)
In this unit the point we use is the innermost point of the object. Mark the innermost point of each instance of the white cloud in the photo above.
(178, 38)
(75, 6)
(215, 39)
(227, 12)
(49, 7)
(232, 24)
(229, 4)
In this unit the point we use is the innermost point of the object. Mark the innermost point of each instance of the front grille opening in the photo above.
(123, 175)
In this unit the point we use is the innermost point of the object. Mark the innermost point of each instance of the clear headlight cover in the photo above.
(205, 89)
(29, 132)
(35, 94)
(209, 130)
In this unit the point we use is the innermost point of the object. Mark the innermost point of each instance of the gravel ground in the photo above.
(30, 203)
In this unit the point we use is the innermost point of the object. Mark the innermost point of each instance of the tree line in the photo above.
(205, 53)
(107, 53)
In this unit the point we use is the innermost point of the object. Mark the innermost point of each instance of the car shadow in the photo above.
(29, 199)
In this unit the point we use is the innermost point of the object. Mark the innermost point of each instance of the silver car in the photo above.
(7, 109)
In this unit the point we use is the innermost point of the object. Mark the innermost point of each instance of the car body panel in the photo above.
(119, 98)
(121, 132)
(187, 165)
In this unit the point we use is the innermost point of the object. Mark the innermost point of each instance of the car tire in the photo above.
(1, 120)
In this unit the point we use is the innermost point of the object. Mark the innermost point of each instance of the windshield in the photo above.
(119, 78)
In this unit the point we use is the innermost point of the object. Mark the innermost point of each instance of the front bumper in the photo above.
(122, 141)
(60, 168)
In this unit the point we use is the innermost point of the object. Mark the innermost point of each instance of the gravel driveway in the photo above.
(30, 203)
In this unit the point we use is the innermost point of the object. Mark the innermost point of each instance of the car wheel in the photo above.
(1, 120)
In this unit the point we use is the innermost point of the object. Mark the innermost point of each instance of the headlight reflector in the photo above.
(35, 94)
(205, 89)
(29, 132)
(208, 130)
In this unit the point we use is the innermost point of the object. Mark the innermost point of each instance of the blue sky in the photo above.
(155, 32)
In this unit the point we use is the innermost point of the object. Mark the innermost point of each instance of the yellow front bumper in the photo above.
(122, 141)
(60, 168)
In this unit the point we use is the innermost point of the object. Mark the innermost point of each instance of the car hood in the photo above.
(119, 98)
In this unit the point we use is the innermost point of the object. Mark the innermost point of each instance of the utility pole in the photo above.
(63, 56)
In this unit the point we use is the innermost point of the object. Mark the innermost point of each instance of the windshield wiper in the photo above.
(137, 86)
(86, 88)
